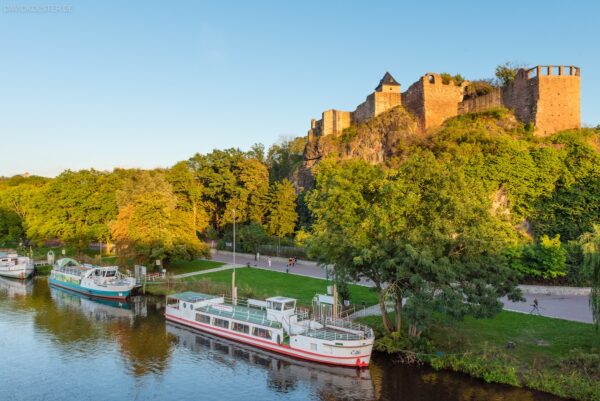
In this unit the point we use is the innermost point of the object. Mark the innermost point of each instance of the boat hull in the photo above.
(22, 273)
(356, 361)
(121, 294)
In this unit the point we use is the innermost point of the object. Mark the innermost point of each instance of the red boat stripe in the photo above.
(235, 335)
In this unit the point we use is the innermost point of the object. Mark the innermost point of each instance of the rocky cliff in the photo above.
(375, 141)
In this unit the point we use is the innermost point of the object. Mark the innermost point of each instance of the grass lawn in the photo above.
(262, 283)
(540, 338)
(553, 355)
(188, 266)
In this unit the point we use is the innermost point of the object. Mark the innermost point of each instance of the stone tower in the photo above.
(548, 97)
(386, 96)
(432, 100)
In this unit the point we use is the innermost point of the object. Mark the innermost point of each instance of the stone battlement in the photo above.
(547, 97)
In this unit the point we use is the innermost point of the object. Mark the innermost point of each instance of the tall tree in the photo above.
(424, 233)
(149, 225)
(282, 215)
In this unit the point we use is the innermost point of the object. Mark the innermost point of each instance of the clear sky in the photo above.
(109, 84)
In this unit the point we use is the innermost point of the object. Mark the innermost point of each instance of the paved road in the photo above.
(568, 307)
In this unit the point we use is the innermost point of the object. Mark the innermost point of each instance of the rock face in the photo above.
(375, 141)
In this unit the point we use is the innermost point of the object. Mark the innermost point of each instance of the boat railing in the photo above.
(347, 324)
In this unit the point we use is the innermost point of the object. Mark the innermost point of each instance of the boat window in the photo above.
(184, 305)
(240, 327)
(192, 306)
(111, 273)
(202, 318)
(221, 323)
(262, 333)
(277, 305)
(289, 305)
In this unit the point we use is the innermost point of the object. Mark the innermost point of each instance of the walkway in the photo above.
(568, 307)
(216, 269)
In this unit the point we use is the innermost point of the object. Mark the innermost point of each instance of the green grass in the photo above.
(553, 355)
(535, 337)
(264, 283)
(189, 266)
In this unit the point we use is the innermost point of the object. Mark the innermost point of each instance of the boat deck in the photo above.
(243, 313)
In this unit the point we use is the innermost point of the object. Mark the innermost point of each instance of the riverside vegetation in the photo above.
(462, 214)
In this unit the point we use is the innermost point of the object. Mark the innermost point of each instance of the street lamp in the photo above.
(233, 289)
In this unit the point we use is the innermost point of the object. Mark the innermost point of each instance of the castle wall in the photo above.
(547, 97)
(481, 103)
(335, 121)
(558, 106)
(365, 110)
(386, 100)
(433, 101)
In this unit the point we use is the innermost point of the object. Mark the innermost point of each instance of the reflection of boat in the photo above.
(344, 383)
(15, 266)
(105, 282)
(276, 325)
(15, 287)
(98, 309)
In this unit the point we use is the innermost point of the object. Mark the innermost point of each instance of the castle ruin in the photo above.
(546, 97)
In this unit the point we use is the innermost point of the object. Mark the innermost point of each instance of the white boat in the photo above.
(15, 266)
(275, 325)
(282, 371)
(97, 281)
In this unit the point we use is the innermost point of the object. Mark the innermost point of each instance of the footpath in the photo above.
(568, 303)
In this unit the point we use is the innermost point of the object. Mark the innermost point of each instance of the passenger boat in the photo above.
(281, 370)
(97, 281)
(15, 266)
(275, 325)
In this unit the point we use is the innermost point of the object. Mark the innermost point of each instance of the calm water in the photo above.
(57, 346)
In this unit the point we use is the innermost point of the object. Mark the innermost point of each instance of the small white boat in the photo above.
(275, 325)
(15, 266)
(98, 281)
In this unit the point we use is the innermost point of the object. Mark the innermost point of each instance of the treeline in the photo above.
(157, 214)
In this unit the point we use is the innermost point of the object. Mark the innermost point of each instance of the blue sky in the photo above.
(109, 84)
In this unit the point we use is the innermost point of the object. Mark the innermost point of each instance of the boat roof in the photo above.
(280, 299)
(191, 296)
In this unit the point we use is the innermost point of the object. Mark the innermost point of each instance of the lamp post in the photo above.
(233, 289)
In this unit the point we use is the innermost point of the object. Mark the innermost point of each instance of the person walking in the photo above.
(269, 261)
(535, 307)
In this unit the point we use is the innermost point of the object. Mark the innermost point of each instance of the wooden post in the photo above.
(335, 295)
(233, 289)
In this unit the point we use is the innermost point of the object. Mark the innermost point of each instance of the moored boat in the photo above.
(98, 281)
(15, 266)
(275, 325)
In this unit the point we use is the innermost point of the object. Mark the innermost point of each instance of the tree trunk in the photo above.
(387, 324)
(398, 308)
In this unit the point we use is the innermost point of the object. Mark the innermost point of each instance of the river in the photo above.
(55, 345)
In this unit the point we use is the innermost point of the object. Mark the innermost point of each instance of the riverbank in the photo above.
(552, 355)
(259, 283)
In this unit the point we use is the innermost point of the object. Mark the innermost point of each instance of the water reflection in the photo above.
(66, 338)
(16, 288)
(283, 374)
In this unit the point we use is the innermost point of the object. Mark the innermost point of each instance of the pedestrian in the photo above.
(269, 261)
(536, 307)
(294, 261)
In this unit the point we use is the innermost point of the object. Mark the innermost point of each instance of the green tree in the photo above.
(424, 233)
(282, 215)
(285, 157)
(251, 237)
(590, 244)
(149, 225)
(75, 207)
(230, 179)
(506, 73)
(189, 193)
(545, 259)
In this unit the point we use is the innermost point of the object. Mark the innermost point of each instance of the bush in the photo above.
(546, 259)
